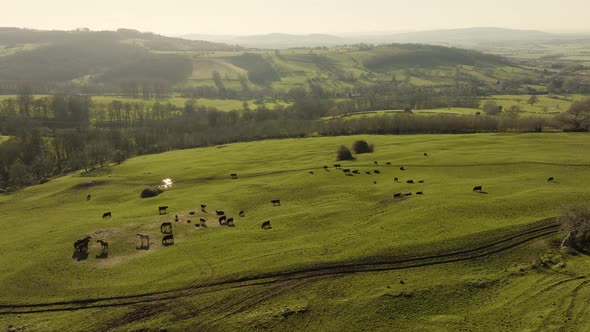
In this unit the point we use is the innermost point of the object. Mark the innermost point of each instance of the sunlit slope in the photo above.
(324, 217)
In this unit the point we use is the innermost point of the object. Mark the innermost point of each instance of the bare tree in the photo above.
(576, 223)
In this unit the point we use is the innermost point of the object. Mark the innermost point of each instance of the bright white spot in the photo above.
(166, 183)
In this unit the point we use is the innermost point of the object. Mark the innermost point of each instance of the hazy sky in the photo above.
(295, 16)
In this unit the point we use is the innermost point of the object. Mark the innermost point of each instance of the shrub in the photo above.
(344, 153)
(361, 146)
(151, 192)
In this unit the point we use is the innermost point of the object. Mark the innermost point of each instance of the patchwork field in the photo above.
(227, 278)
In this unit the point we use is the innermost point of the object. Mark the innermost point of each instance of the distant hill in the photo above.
(274, 40)
(450, 36)
(96, 56)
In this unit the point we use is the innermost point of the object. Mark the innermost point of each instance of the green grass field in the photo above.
(324, 218)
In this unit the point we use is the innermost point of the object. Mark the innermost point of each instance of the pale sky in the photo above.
(241, 17)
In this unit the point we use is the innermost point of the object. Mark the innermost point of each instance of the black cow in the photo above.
(408, 194)
(388, 163)
(346, 170)
(188, 221)
(242, 214)
(356, 171)
(337, 166)
(192, 213)
(421, 181)
(222, 219)
(402, 168)
(368, 172)
(219, 213)
(82, 245)
(398, 195)
(477, 188)
(410, 181)
(551, 179)
(310, 172)
(88, 197)
(202, 220)
(376, 163)
(374, 182)
(395, 180)
(376, 171)
(425, 154)
(230, 222)
(166, 228)
(162, 210)
(176, 218)
(326, 167)
(107, 214)
(266, 225)
(203, 206)
(233, 176)
(276, 202)
(168, 240)
(420, 193)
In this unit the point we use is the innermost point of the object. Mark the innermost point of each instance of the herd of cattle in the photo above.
(81, 246)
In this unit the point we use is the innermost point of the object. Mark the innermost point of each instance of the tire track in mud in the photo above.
(537, 230)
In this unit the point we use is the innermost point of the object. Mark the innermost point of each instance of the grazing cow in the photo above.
(346, 170)
(166, 228)
(276, 202)
(402, 168)
(477, 188)
(188, 221)
(376, 171)
(266, 225)
(337, 166)
(388, 163)
(421, 181)
(398, 195)
(104, 246)
(82, 245)
(192, 213)
(310, 172)
(220, 213)
(107, 214)
(420, 193)
(162, 210)
(230, 222)
(395, 180)
(234, 176)
(376, 163)
(425, 154)
(242, 214)
(326, 167)
(356, 171)
(408, 194)
(88, 197)
(203, 206)
(368, 172)
(410, 181)
(222, 219)
(374, 182)
(550, 179)
(143, 237)
(202, 220)
(176, 218)
(168, 240)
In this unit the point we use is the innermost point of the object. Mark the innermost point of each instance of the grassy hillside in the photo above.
(325, 218)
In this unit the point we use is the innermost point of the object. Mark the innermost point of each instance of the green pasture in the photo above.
(325, 217)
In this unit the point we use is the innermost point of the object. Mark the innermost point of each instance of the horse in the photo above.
(146, 238)
(168, 240)
(82, 245)
(162, 209)
(266, 225)
(166, 228)
(104, 245)
(222, 219)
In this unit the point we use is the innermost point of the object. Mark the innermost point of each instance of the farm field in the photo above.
(325, 219)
